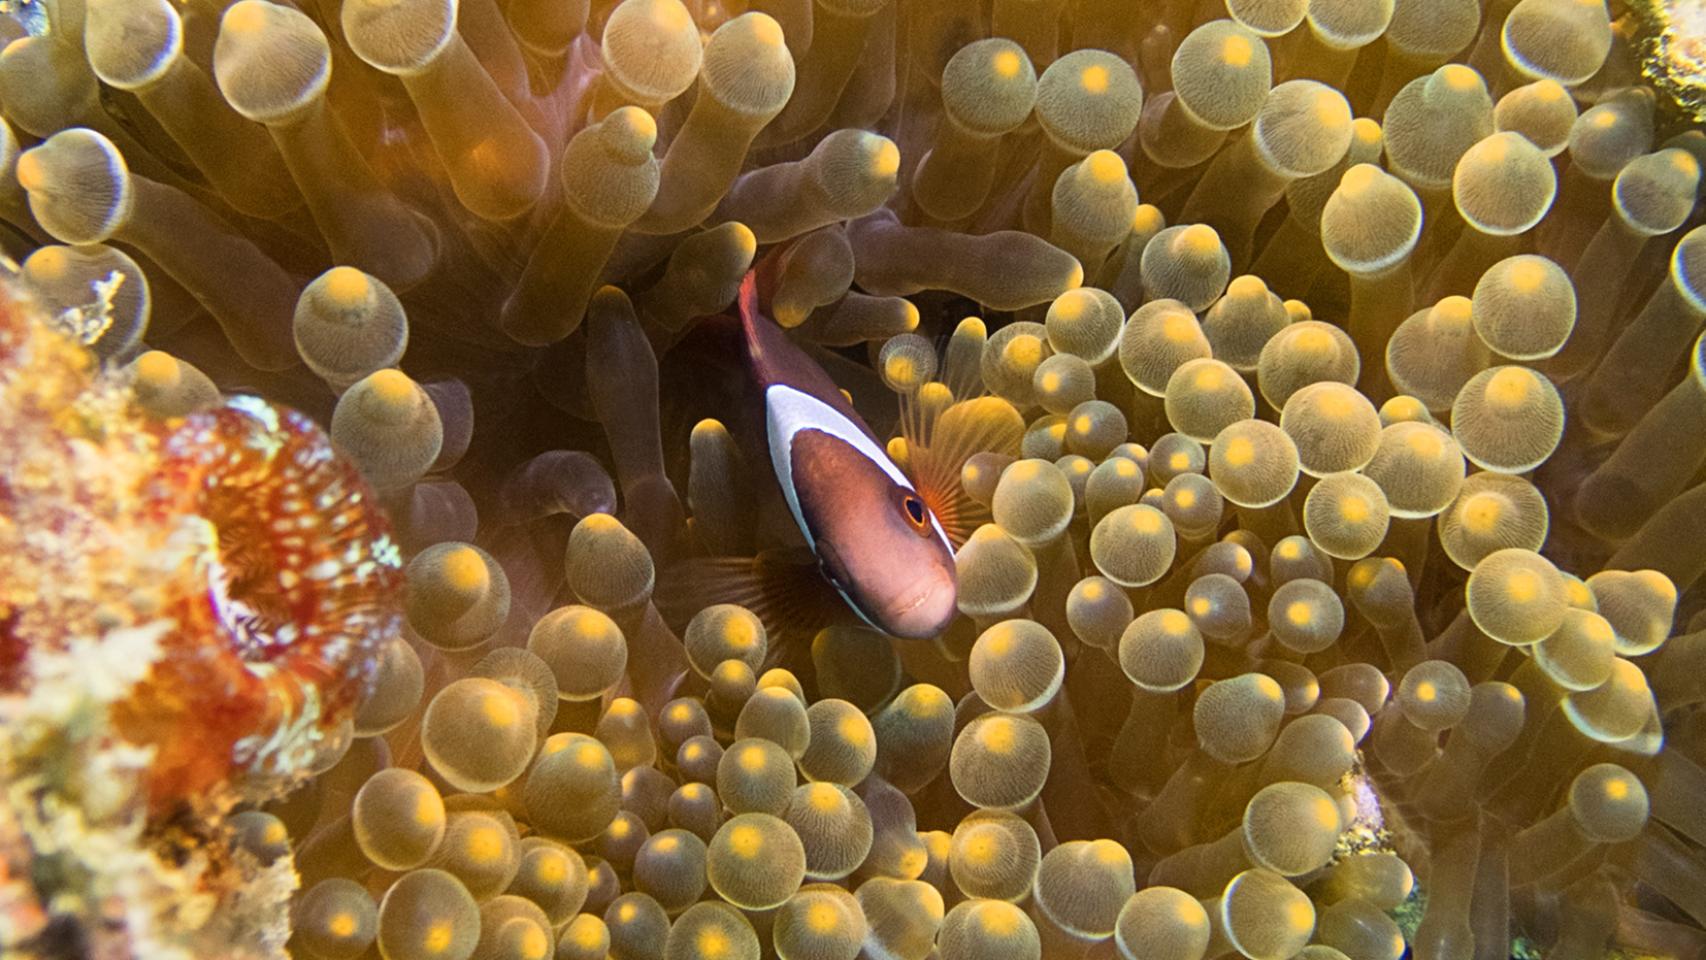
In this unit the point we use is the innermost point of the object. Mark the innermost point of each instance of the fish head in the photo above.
(874, 537)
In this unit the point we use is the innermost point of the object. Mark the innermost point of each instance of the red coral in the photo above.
(289, 589)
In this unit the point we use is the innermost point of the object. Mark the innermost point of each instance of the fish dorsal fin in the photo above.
(774, 360)
(747, 299)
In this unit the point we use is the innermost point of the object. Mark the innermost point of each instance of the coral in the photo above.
(1669, 41)
(173, 641)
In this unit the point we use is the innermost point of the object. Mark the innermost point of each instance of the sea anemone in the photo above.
(1313, 395)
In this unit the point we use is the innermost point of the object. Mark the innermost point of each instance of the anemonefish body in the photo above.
(874, 537)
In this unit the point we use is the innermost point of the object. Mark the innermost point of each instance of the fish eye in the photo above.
(915, 510)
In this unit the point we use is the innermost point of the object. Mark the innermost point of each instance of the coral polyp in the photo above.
(294, 586)
(254, 556)
(192, 607)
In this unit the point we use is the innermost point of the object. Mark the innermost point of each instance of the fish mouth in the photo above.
(903, 619)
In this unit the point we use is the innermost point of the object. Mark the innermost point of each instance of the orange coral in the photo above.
(255, 554)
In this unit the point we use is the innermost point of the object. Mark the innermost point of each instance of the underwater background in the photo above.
(852, 479)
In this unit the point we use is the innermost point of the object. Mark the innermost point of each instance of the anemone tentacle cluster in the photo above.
(1313, 393)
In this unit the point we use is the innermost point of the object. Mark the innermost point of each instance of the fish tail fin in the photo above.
(782, 588)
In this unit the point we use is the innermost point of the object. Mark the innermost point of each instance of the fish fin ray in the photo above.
(936, 454)
(783, 588)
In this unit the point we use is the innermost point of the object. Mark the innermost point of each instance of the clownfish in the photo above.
(837, 528)
(873, 534)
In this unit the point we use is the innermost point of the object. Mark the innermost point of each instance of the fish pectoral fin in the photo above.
(936, 455)
(783, 588)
